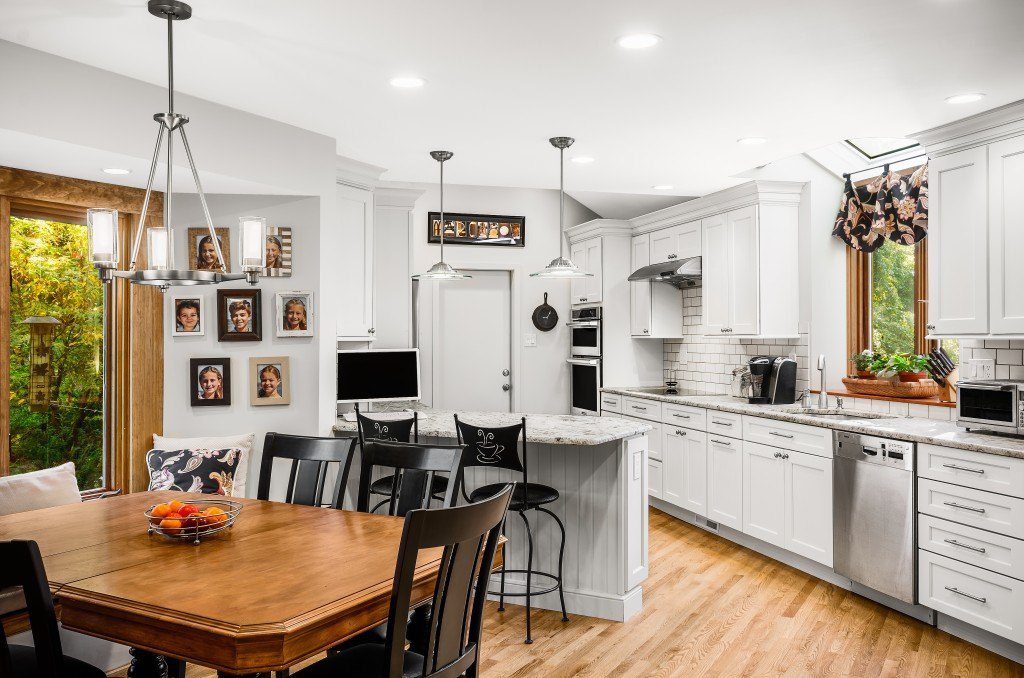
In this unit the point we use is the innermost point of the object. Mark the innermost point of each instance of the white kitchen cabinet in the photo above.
(731, 273)
(677, 242)
(958, 250)
(640, 292)
(654, 478)
(684, 468)
(764, 493)
(808, 498)
(725, 481)
(587, 255)
(355, 310)
(716, 280)
(1006, 236)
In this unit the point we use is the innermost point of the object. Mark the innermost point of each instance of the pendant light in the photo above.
(441, 270)
(103, 223)
(561, 267)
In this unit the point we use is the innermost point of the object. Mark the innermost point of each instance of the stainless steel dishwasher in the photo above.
(874, 517)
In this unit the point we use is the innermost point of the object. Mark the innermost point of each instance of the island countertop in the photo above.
(550, 429)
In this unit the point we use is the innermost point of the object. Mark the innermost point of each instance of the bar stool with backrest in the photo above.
(498, 447)
(469, 536)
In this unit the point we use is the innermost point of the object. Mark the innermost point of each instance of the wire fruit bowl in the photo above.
(209, 517)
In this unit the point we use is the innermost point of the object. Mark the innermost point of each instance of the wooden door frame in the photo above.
(133, 335)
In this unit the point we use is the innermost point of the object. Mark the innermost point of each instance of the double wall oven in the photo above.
(585, 360)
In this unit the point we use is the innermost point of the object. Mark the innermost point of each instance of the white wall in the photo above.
(540, 376)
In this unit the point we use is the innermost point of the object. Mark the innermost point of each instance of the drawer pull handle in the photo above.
(962, 506)
(954, 542)
(682, 416)
(722, 442)
(979, 471)
(781, 435)
(953, 589)
(721, 423)
(637, 407)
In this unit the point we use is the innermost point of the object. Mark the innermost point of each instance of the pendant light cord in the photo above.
(170, 65)
(442, 210)
(561, 199)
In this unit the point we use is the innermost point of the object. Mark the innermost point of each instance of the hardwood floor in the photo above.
(712, 608)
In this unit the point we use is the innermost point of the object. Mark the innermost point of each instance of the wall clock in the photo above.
(545, 317)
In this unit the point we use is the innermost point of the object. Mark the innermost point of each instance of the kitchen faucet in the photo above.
(822, 393)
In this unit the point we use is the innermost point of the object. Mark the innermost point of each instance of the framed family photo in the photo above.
(202, 256)
(238, 315)
(210, 381)
(189, 319)
(269, 381)
(279, 252)
(294, 314)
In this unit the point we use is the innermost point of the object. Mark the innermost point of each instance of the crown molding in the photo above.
(749, 193)
(982, 128)
(357, 174)
(390, 197)
(599, 227)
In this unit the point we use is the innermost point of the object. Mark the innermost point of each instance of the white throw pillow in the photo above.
(55, 486)
(243, 442)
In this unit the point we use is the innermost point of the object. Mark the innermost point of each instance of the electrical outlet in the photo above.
(981, 368)
(529, 339)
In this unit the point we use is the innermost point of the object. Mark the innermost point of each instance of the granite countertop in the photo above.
(912, 429)
(550, 429)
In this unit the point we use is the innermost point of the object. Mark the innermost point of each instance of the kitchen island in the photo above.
(599, 467)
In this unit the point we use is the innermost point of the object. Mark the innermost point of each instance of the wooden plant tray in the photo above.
(926, 388)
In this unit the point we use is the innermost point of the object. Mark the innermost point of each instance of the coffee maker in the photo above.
(772, 380)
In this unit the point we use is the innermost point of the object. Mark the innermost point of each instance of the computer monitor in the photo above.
(384, 374)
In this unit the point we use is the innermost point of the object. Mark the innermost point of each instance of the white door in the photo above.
(725, 481)
(688, 240)
(715, 264)
(355, 263)
(578, 286)
(764, 489)
(663, 245)
(640, 292)
(673, 464)
(743, 269)
(1006, 236)
(695, 472)
(958, 244)
(594, 266)
(472, 343)
(809, 506)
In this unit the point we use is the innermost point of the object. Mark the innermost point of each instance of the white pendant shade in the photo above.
(158, 249)
(252, 243)
(102, 228)
(561, 267)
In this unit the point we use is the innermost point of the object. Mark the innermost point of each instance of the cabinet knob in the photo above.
(673, 256)
(372, 330)
(647, 331)
(680, 432)
(504, 373)
(506, 387)
(930, 327)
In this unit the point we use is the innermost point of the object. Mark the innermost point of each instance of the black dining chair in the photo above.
(310, 457)
(23, 566)
(469, 535)
(498, 447)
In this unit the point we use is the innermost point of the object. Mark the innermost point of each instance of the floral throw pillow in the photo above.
(199, 470)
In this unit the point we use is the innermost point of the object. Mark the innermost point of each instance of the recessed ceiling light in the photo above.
(407, 81)
(662, 187)
(967, 98)
(116, 170)
(638, 41)
(751, 141)
(582, 160)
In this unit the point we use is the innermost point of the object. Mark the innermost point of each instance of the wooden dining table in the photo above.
(283, 583)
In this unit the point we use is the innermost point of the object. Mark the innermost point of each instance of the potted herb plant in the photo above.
(863, 362)
(909, 367)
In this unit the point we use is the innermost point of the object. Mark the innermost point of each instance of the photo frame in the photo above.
(477, 229)
(270, 381)
(279, 252)
(201, 255)
(188, 316)
(295, 314)
(210, 382)
(233, 305)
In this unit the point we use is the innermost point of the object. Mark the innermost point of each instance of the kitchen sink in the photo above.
(839, 415)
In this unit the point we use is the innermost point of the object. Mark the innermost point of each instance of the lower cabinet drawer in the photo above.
(684, 415)
(981, 471)
(990, 601)
(787, 435)
(988, 550)
(611, 402)
(643, 409)
(977, 508)
(725, 424)
(654, 478)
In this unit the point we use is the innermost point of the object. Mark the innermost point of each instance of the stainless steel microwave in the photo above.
(585, 331)
(991, 405)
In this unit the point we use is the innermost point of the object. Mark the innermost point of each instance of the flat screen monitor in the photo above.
(385, 374)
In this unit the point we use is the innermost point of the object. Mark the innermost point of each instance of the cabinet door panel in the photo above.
(578, 286)
(743, 285)
(355, 262)
(809, 506)
(695, 472)
(673, 455)
(654, 478)
(764, 486)
(715, 265)
(594, 265)
(688, 240)
(663, 245)
(958, 244)
(640, 292)
(1006, 236)
(725, 481)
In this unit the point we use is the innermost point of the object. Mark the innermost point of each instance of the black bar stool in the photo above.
(499, 448)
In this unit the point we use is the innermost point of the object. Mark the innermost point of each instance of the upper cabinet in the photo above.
(1006, 236)
(656, 309)
(676, 242)
(587, 255)
(355, 264)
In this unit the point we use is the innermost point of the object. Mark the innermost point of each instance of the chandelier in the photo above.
(159, 271)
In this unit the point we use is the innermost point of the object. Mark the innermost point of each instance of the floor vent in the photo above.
(710, 525)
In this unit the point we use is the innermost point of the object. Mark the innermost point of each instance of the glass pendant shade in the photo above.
(101, 225)
(561, 267)
(252, 243)
(158, 249)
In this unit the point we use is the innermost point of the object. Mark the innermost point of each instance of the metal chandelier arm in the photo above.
(149, 193)
(202, 199)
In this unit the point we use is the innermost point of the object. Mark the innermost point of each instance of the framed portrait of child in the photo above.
(188, 319)
(294, 314)
(269, 381)
(238, 315)
(210, 382)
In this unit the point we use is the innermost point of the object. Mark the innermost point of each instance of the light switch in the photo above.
(529, 339)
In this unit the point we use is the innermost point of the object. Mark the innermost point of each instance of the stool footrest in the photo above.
(531, 592)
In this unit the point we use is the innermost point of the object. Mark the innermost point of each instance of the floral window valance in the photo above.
(892, 207)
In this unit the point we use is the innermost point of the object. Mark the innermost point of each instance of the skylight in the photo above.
(873, 148)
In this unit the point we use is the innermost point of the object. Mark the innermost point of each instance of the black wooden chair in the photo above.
(393, 430)
(311, 457)
(23, 566)
(469, 535)
(498, 447)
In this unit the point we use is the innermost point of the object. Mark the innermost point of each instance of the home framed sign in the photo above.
(477, 229)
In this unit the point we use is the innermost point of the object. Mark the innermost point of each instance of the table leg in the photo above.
(146, 665)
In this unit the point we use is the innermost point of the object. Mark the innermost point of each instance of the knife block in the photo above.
(948, 394)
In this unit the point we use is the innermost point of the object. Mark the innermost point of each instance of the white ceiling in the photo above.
(624, 205)
(503, 77)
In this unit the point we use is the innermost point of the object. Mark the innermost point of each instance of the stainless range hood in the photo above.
(678, 272)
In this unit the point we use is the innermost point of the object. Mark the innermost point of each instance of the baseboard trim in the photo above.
(586, 603)
(982, 638)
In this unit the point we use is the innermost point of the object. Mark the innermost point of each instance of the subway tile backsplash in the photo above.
(1008, 354)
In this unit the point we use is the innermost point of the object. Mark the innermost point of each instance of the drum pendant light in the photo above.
(441, 270)
(561, 267)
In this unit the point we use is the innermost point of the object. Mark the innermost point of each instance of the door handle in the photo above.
(506, 387)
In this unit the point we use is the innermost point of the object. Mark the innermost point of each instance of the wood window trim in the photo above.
(133, 335)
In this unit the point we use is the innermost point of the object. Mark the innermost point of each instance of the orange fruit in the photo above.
(176, 506)
(161, 510)
(214, 515)
(170, 526)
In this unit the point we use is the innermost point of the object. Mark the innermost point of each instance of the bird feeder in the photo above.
(41, 332)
